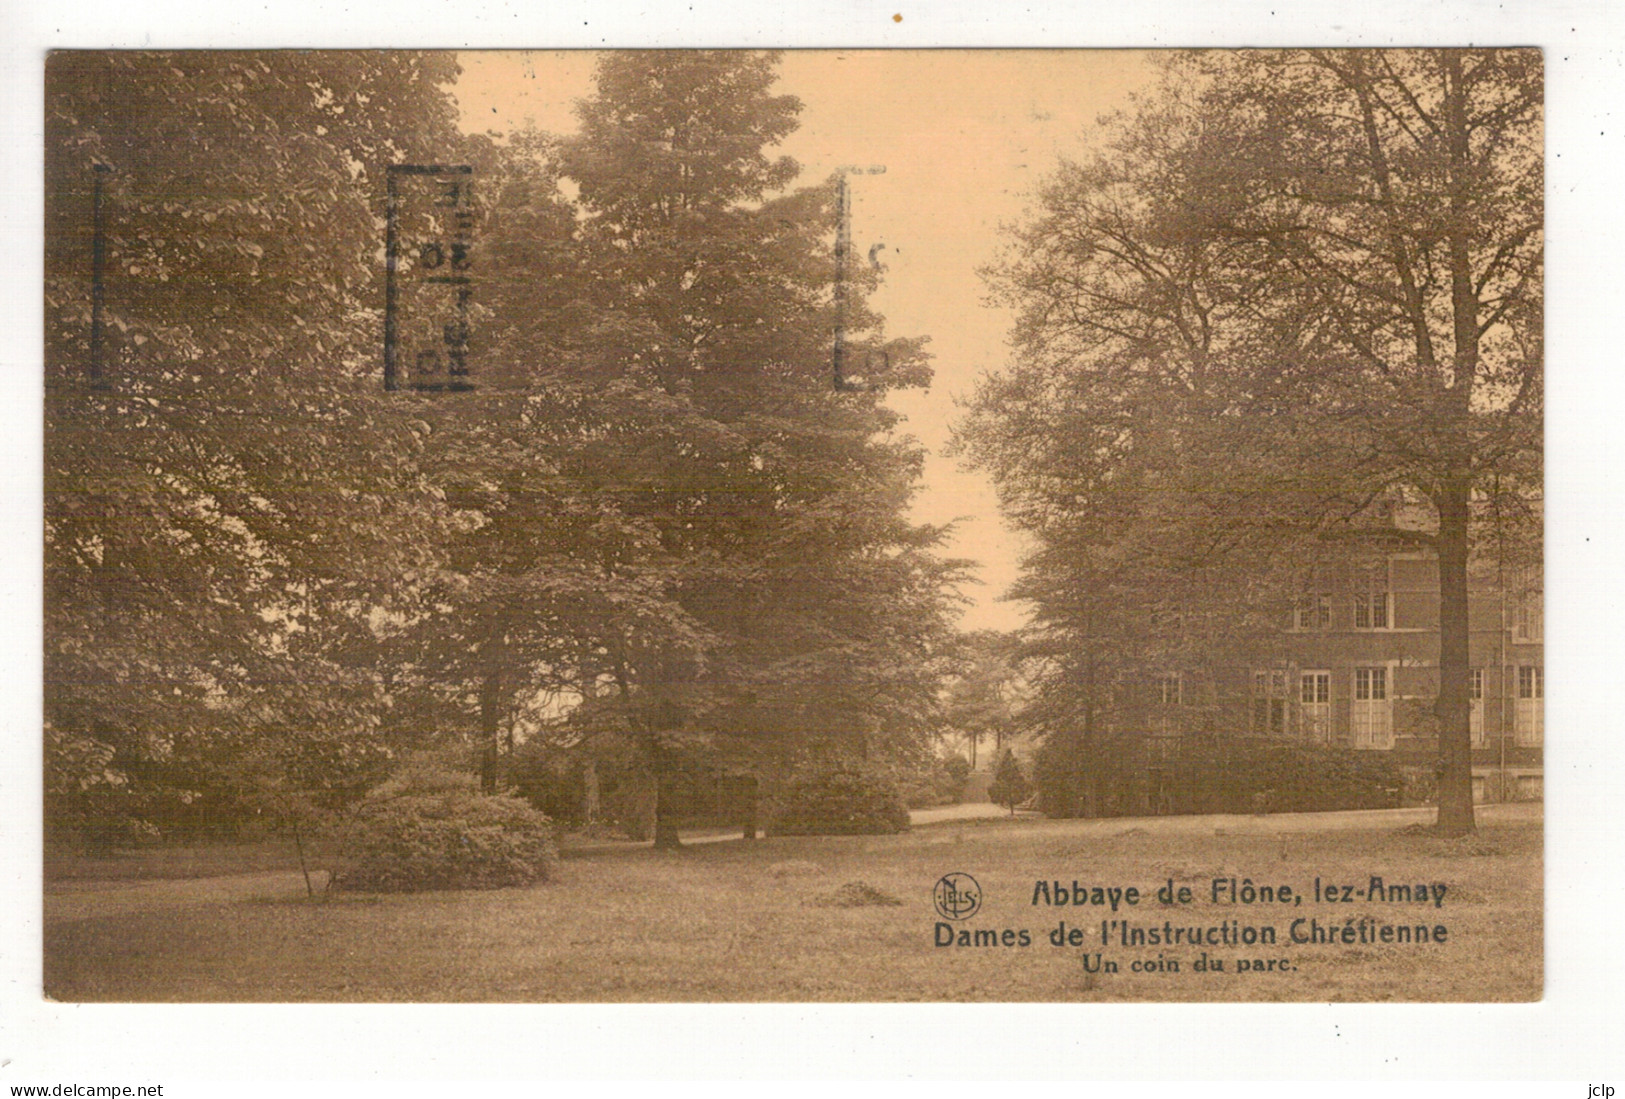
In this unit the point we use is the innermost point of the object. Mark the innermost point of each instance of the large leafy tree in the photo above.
(1300, 282)
(654, 503)
(1401, 193)
(545, 562)
(229, 499)
(984, 694)
(1124, 438)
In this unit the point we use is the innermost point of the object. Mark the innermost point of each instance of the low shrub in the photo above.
(840, 800)
(431, 828)
(939, 782)
(1010, 786)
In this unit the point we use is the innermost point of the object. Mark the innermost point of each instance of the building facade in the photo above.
(1356, 666)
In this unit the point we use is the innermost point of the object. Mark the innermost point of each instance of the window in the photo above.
(1475, 705)
(1529, 723)
(1170, 696)
(1316, 688)
(1171, 689)
(1315, 704)
(1371, 601)
(1370, 684)
(1528, 609)
(1269, 701)
(1313, 612)
(1371, 715)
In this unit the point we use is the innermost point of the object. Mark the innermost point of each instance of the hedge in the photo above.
(1124, 775)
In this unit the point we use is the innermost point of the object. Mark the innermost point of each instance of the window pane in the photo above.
(1168, 689)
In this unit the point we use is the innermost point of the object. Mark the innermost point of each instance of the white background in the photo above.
(1574, 1034)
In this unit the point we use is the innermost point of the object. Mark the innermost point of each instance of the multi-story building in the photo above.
(1356, 666)
(1361, 669)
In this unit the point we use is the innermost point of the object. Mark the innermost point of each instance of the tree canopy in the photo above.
(653, 518)
(1295, 284)
(228, 500)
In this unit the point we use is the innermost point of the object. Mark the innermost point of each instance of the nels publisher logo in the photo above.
(957, 896)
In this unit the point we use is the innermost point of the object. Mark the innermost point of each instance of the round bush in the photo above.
(432, 829)
(841, 801)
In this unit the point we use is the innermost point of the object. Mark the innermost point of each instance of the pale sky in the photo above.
(965, 136)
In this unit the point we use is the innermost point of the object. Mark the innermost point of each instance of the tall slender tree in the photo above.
(773, 507)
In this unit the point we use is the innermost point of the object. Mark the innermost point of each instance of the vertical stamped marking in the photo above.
(98, 276)
(428, 283)
(843, 249)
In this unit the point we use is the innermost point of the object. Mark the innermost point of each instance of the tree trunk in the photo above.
(299, 846)
(666, 837)
(490, 713)
(738, 799)
(590, 791)
(1455, 736)
(1087, 785)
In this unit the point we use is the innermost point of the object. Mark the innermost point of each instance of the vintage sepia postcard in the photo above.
(845, 526)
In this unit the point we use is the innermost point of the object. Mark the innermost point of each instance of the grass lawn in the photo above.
(179, 862)
(737, 921)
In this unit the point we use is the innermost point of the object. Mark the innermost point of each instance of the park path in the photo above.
(916, 818)
(984, 810)
(80, 900)
(1267, 824)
